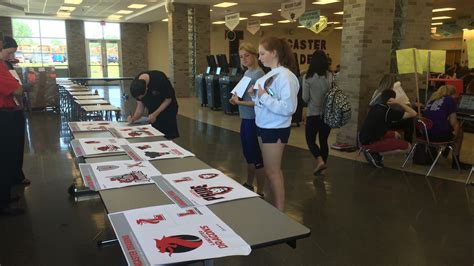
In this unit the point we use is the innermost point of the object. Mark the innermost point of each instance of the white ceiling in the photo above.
(155, 10)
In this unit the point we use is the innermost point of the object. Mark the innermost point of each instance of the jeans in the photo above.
(315, 125)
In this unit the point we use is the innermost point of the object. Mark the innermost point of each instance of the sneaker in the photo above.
(249, 187)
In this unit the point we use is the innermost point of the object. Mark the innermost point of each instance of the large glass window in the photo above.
(40, 42)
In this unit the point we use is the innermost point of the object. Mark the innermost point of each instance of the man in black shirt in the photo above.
(153, 91)
(375, 135)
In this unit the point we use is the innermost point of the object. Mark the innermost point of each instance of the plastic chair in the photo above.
(422, 126)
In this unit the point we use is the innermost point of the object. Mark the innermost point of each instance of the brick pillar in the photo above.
(134, 48)
(365, 56)
(180, 48)
(76, 48)
(6, 26)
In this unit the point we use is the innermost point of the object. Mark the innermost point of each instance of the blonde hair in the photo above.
(445, 90)
(249, 48)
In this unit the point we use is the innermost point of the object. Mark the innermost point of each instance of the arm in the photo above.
(161, 108)
(409, 112)
(453, 121)
(306, 88)
(235, 101)
(288, 101)
(138, 112)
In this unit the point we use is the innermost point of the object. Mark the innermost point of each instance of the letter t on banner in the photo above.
(232, 20)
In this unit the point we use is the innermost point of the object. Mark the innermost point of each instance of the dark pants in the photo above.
(315, 125)
(167, 124)
(408, 127)
(11, 126)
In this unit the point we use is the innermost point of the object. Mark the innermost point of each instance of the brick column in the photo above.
(6, 26)
(365, 46)
(203, 36)
(134, 48)
(76, 48)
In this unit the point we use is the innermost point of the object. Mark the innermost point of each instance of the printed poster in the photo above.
(90, 147)
(156, 150)
(90, 126)
(406, 61)
(201, 187)
(135, 131)
(168, 234)
(437, 60)
(117, 174)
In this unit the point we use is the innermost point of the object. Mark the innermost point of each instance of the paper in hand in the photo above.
(241, 87)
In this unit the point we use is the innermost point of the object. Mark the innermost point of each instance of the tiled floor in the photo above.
(358, 215)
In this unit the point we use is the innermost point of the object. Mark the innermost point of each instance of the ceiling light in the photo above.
(325, 2)
(442, 17)
(266, 24)
(262, 14)
(136, 6)
(279, 9)
(284, 21)
(210, 10)
(125, 12)
(243, 18)
(73, 2)
(67, 8)
(436, 23)
(114, 17)
(63, 14)
(165, 20)
(338, 28)
(334, 22)
(225, 4)
(444, 9)
(339, 13)
(301, 26)
(218, 22)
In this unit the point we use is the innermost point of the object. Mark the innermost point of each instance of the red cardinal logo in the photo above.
(178, 244)
(155, 220)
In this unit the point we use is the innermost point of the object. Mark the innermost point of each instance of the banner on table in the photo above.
(91, 147)
(135, 131)
(90, 126)
(156, 150)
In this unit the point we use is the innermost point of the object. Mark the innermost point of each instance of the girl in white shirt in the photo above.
(275, 103)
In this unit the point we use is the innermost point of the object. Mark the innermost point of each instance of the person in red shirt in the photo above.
(9, 88)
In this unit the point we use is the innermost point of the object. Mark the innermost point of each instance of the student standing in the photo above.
(154, 91)
(275, 102)
(316, 84)
(248, 129)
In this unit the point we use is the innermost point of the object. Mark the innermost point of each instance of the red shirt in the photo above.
(8, 84)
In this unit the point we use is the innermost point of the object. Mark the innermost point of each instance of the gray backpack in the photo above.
(337, 108)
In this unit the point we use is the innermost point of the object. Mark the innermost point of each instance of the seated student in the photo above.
(389, 81)
(441, 110)
(375, 135)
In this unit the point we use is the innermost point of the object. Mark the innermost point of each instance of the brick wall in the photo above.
(76, 48)
(134, 48)
(6, 26)
(365, 56)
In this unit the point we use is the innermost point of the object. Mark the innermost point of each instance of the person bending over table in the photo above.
(441, 110)
(154, 91)
(375, 135)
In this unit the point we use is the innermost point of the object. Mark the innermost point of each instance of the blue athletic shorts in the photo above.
(272, 135)
(249, 140)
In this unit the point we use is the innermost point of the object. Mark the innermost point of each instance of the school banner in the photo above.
(293, 9)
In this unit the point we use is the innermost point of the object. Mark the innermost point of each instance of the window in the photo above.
(40, 42)
(96, 31)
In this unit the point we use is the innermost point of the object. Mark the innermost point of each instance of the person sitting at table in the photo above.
(154, 91)
(375, 135)
(441, 110)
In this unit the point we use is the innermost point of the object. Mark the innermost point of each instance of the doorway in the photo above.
(103, 59)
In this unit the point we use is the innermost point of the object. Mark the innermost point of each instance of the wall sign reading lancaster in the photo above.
(304, 48)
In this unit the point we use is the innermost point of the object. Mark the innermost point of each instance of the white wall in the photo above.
(446, 44)
(158, 47)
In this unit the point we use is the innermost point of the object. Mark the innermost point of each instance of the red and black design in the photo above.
(208, 176)
(155, 220)
(153, 154)
(188, 212)
(163, 145)
(108, 148)
(210, 193)
(133, 177)
(183, 179)
(178, 244)
(144, 147)
(138, 164)
(92, 142)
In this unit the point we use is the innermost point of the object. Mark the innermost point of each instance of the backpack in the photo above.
(337, 108)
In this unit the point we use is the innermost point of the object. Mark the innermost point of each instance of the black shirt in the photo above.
(159, 89)
(377, 123)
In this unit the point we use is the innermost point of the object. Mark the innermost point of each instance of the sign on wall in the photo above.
(304, 48)
(232, 20)
(253, 25)
(309, 18)
(293, 9)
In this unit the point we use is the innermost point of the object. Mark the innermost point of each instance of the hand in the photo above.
(261, 91)
(251, 91)
(152, 118)
(130, 119)
(234, 99)
(393, 101)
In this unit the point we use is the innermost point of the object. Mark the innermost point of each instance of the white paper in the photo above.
(156, 150)
(241, 87)
(90, 126)
(202, 187)
(168, 234)
(117, 174)
(135, 131)
(98, 146)
(15, 75)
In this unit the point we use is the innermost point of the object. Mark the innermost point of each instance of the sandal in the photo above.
(317, 171)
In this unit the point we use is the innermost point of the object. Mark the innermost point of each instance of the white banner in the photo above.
(135, 131)
(107, 175)
(201, 187)
(155, 151)
(89, 147)
(293, 9)
(253, 25)
(90, 126)
(168, 234)
(232, 20)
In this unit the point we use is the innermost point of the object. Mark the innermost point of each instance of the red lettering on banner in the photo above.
(90, 184)
(78, 151)
(131, 250)
(177, 152)
(213, 236)
(176, 198)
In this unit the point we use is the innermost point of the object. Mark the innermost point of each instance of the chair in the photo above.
(422, 126)
(469, 176)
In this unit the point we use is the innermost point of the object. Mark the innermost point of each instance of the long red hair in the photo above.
(283, 51)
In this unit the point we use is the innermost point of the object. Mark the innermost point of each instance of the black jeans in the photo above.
(408, 127)
(11, 126)
(315, 125)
